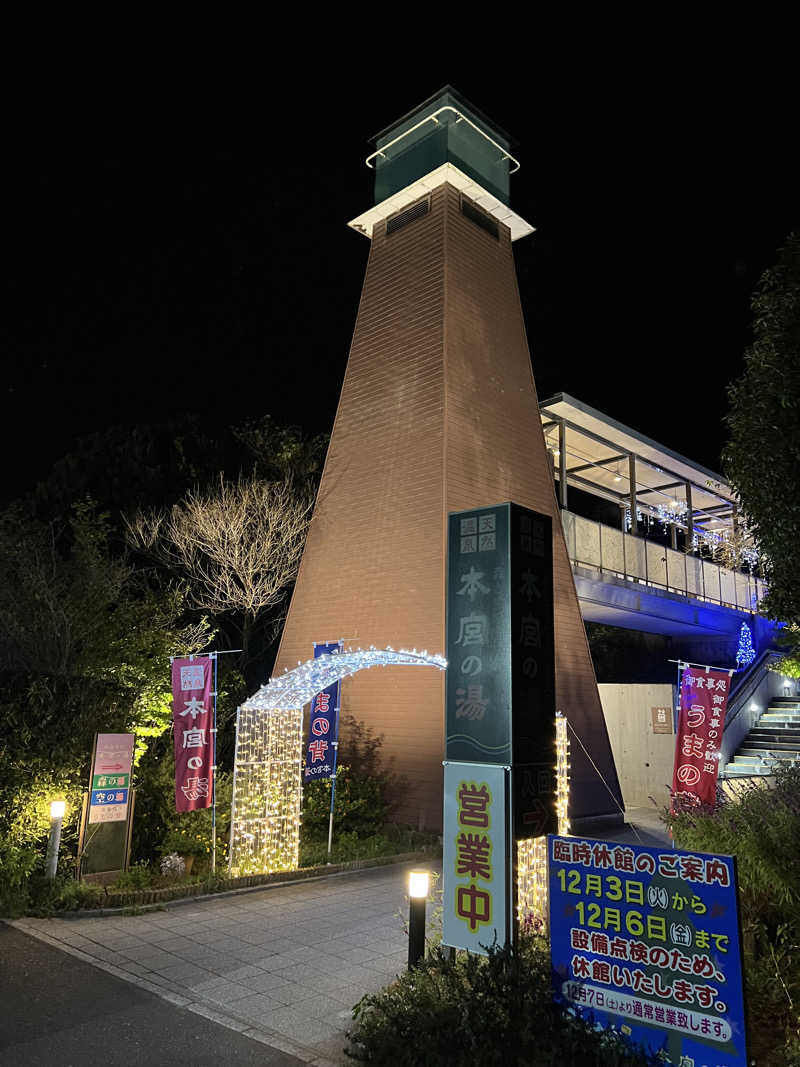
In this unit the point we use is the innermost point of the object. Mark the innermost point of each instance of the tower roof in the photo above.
(445, 128)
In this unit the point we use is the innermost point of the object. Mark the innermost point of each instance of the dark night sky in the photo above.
(172, 252)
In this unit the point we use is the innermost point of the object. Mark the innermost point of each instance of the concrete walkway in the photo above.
(283, 964)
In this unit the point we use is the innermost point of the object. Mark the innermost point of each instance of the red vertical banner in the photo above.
(192, 722)
(704, 700)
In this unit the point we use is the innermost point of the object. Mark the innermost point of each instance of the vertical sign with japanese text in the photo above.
(475, 860)
(533, 684)
(478, 715)
(111, 778)
(192, 724)
(646, 942)
(703, 701)
(323, 724)
(500, 646)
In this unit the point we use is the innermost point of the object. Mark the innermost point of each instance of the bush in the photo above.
(364, 788)
(494, 1011)
(762, 830)
(17, 863)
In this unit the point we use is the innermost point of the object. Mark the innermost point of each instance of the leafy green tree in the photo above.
(84, 645)
(762, 458)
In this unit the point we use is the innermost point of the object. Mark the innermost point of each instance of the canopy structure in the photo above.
(265, 815)
(297, 687)
(607, 459)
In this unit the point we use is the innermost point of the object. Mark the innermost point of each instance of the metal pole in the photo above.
(632, 488)
(416, 930)
(214, 775)
(233, 793)
(562, 465)
(54, 841)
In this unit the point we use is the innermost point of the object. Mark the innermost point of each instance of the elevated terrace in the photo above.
(656, 541)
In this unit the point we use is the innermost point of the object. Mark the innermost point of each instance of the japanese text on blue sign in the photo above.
(647, 941)
(323, 725)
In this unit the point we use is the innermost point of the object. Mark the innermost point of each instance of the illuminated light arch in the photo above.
(267, 790)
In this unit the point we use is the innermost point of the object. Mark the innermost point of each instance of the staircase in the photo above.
(774, 739)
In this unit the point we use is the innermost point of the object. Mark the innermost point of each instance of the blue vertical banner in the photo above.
(323, 724)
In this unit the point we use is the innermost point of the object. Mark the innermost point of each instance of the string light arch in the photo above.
(267, 791)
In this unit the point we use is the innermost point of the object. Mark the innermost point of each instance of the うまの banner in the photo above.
(704, 701)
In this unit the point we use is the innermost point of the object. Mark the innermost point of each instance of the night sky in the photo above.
(189, 252)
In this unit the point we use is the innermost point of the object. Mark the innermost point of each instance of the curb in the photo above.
(274, 882)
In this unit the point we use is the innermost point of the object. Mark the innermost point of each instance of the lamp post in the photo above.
(54, 841)
(418, 882)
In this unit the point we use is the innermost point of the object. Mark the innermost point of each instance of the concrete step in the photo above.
(736, 770)
(752, 744)
(773, 737)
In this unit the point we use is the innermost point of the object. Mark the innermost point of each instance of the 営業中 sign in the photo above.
(646, 941)
(476, 898)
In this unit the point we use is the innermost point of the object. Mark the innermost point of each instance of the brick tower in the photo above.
(438, 413)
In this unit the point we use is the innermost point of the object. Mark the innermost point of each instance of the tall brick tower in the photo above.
(438, 413)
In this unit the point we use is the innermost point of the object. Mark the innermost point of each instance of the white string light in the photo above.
(267, 790)
(532, 888)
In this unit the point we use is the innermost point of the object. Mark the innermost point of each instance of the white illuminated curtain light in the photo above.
(532, 902)
(267, 789)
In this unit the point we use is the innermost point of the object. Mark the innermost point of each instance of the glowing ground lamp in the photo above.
(532, 895)
(57, 808)
(267, 789)
(418, 885)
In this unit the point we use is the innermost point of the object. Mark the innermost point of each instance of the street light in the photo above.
(418, 884)
(57, 808)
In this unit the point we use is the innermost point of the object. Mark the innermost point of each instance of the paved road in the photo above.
(58, 1011)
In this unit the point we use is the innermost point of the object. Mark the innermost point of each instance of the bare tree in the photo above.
(238, 544)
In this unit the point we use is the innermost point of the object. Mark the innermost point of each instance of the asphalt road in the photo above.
(57, 1011)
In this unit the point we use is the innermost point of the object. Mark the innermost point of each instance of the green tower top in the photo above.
(445, 128)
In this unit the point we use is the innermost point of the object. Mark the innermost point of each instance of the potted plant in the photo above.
(186, 843)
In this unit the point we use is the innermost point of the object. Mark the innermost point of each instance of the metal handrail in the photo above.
(741, 693)
(432, 118)
(645, 579)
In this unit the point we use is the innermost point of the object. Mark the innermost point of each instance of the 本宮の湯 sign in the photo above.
(646, 941)
(193, 724)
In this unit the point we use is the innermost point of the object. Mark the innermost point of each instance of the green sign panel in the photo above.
(501, 653)
(111, 781)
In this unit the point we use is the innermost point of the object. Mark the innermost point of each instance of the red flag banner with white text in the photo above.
(704, 700)
(192, 723)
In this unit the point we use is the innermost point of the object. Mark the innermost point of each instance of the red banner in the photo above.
(704, 700)
(192, 722)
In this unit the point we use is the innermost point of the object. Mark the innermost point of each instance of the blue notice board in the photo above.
(646, 941)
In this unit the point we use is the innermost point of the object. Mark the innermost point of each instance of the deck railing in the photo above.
(614, 554)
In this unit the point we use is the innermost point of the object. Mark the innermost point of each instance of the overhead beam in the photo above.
(597, 463)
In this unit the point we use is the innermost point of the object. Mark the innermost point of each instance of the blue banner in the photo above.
(646, 941)
(323, 725)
